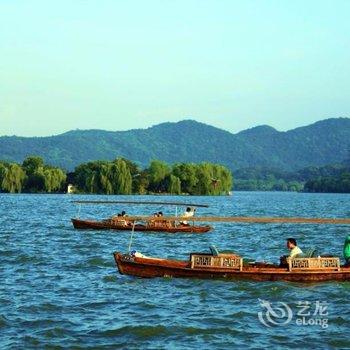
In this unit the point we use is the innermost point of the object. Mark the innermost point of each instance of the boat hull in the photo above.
(108, 225)
(151, 267)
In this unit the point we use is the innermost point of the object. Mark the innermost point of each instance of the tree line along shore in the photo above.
(122, 176)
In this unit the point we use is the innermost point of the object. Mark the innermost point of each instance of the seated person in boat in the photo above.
(153, 222)
(122, 214)
(119, 219)
(160, 223)
(164, 223)
(187, 214)
(293, 247)
(156, 223)
(294, 251)
(116, 218)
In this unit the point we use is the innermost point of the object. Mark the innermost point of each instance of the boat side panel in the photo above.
(100, 225)
(167, 268)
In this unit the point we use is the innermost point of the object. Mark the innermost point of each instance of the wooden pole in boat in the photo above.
(131, 235)
(79, 209)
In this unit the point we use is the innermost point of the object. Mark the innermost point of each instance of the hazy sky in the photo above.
(119, 65)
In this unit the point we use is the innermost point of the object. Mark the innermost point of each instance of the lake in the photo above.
(59, 287)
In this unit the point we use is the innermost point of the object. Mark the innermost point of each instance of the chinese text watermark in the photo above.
(306, 313)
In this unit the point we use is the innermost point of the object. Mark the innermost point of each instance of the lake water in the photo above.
(59, 287)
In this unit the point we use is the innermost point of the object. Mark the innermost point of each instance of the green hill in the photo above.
(324, 142)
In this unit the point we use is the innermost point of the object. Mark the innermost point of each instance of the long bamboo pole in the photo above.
(142, 203)
(246, 219)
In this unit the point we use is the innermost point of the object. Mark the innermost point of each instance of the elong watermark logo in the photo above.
(307, 314)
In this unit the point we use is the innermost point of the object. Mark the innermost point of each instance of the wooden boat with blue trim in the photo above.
(231, 266)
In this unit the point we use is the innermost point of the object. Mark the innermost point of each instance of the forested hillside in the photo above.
(325, 142)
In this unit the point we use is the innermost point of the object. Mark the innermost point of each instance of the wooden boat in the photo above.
(121, 225)
(143, 223)
(172, 224)
(304, 268)
(231, 266)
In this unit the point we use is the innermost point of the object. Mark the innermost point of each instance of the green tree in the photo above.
(121, 177)
(136, 176)
(54, 179)
(174, 186)
(141, 183)
(204, 186)
(222, 179)
(213, 179)
(35, 177)
(105, 172)
(13, 178)
(157, 173)
(87, 177)
(3, 169)
(32, 164)
(187, 173)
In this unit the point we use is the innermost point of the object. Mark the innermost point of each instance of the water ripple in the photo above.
(60, 288)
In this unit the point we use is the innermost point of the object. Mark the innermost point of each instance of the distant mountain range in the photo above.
(324, 142)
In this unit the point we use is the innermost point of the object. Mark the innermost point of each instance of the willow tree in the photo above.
(3, 169)
(55, 178)
(106, 185)
(13, 179)
(139, 177)
(204, 175)
(92, 182)
(174, 186)
(157, 172)
(213, 179)
(120, 177)
(222, 179)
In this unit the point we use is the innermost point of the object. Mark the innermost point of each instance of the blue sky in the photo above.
(119, 65)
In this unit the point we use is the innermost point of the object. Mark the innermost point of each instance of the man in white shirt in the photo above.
(188, 213)
(293, 247)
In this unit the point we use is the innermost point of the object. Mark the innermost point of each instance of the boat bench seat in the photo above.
(320, 263)
(226, 261)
